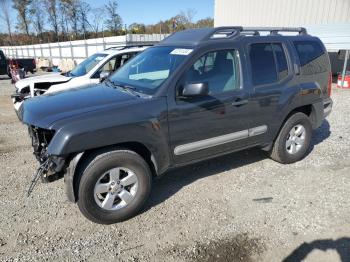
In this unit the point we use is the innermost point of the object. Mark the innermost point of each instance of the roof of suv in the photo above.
(194, 37)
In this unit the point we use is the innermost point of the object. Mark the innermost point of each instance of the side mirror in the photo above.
(195, 90)
(104, 75)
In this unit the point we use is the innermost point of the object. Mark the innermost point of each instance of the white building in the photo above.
(327, 19)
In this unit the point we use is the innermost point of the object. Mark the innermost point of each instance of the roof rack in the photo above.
(224, 32)
(122, 47)
(233, 31)
(276, 30)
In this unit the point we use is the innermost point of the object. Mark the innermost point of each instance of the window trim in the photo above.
(92, 75)
(198, 56)
(287, 55)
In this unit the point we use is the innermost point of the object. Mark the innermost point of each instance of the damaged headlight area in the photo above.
(21, 95)
(51, 167)
(40, 141)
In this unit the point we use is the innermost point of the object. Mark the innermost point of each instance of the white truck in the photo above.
(90, 71)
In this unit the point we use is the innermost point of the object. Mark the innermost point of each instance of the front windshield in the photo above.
(148, 70)
(89, 63)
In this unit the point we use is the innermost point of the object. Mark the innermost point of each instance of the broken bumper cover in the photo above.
(40, 141)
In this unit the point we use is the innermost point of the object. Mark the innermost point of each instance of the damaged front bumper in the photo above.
(52, 165)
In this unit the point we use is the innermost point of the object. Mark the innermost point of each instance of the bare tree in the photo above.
(186, 17)
(71, 8)
(96, 20)
(5, 15)
(22, 7)
(63, 20)
(84, 10)
(53, 15)
(113, 21)
(38, 16)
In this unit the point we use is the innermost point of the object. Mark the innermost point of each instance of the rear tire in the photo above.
(114, 186)
(293, 140)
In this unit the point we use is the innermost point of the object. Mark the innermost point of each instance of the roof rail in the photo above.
(122, 47)
(224, 32)
(233, 31)
(276, 30)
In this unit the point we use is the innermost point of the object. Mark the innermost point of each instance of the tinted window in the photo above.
(312, 58)
(219, 69)
(281, 60)
(263, 64)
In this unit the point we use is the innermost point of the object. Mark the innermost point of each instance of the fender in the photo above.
(115, 126)
(301, 96)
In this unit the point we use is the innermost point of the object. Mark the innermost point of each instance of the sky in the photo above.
(152, 11)
(149, 11)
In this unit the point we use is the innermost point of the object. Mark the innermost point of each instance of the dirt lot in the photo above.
(241, 207)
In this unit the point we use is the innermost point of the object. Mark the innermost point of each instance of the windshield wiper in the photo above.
(130, 89)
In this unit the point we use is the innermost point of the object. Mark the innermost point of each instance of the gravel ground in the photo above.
(240, 207)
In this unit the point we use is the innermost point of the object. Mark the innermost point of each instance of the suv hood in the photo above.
(49, 78)
(43, 111)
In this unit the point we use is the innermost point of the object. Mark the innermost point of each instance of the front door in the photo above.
(205, 126)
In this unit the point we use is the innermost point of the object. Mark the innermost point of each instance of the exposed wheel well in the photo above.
(82, 160)
(307, 110)
(137, 147)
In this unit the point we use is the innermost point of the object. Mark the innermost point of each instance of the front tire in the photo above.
(114, 186)
(293, 140)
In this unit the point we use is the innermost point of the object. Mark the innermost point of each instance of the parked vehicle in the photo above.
(28, 64)
(87, 72)
(198, 94)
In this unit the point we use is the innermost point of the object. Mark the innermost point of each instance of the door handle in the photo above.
(239, 102)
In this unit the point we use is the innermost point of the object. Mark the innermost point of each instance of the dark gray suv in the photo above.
(198, 94)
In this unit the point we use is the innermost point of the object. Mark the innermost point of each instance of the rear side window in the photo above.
(312, 57)
(263, 64)
(268, 62)
(281, 60)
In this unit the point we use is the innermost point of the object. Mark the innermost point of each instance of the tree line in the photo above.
(44, 21)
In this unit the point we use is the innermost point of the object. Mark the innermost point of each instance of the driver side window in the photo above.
(109, 66)
(220, 69)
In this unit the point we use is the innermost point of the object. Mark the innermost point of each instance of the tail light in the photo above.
(34, 62)
(329, 84)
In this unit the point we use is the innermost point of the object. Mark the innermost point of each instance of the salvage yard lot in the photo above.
(240, 207)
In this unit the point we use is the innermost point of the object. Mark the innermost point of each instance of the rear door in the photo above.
(271, 77)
